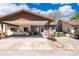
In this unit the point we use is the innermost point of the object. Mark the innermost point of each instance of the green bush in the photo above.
(55, 33)
(59, 34)
(62, 34)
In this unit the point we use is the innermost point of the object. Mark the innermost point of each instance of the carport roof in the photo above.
(24, 23)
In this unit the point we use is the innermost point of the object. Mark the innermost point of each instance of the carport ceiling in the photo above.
(25, 23)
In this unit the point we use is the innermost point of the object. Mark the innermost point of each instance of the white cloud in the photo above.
(46, 13)
(38, 11)
(41, 12)
(66, 11)
(24, 6)
(49, 11)
(6, 8)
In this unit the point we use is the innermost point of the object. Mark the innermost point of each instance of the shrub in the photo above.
(59, 34)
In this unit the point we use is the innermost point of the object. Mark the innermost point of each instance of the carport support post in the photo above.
(2, 34)
(49, 28)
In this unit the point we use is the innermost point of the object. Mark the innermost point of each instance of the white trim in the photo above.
(24, 23)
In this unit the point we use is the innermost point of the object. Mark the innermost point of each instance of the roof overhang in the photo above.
(19, 12)
(72, 23)
(27, 23)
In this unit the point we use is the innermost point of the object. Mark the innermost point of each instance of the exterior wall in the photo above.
(20, 29)
(53, 28)
(4, 28)
(8, 31)
(66, 27)
(76, 30)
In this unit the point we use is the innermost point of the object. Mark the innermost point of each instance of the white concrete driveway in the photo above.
(38, 46)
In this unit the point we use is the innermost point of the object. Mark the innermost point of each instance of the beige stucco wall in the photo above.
(19, 28)
(66, 26)
(77, 31)
(4, 28)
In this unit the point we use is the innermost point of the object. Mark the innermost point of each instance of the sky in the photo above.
(53, 6)
(66, 9)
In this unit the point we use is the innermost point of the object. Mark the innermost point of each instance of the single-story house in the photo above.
(71, 27)
(23, 22)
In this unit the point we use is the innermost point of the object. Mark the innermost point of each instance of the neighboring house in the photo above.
(71, 27)
(23, 22)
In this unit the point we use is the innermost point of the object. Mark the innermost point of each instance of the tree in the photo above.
(56, 14)
(75, 16)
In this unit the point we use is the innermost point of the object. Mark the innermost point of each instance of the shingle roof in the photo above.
(25, 11)
(72, 22)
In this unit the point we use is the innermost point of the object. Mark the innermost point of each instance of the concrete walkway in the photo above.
(38, 46)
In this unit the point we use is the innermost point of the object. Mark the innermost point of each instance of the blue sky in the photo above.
(67, 9)
(45, 9)
(47, 6)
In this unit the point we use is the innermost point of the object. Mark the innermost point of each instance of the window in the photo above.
(25, 29)
(14, 29)
(41, 29)
(75, 27)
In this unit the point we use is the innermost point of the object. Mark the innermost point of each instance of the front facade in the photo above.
(71, 27)
(22, 30)
(23, 22)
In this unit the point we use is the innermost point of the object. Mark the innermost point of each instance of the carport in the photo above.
(23, 18)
